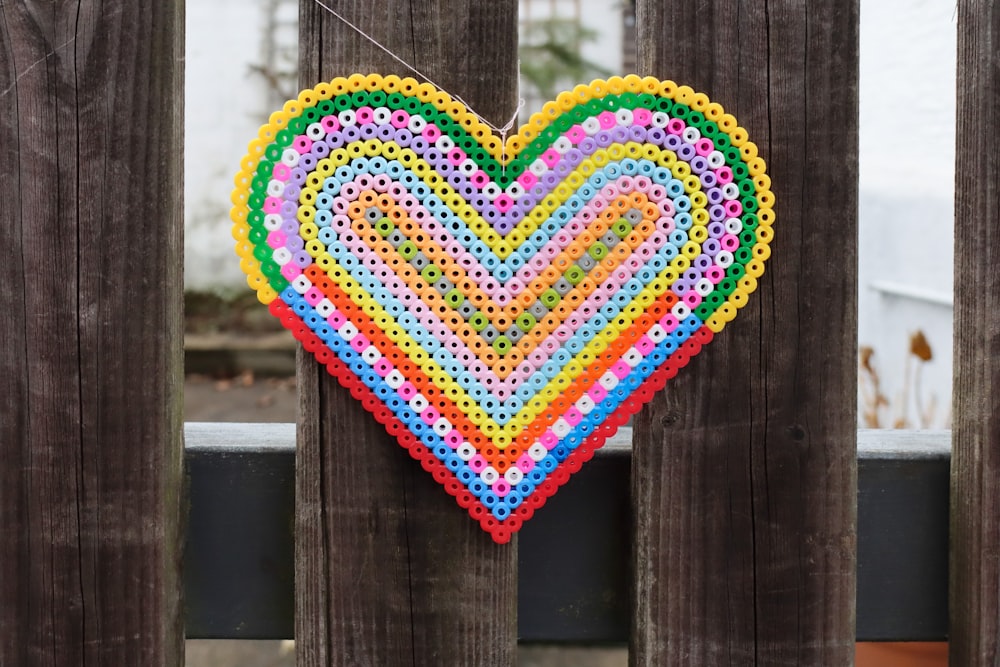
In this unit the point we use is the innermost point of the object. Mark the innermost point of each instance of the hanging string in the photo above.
(501, 130)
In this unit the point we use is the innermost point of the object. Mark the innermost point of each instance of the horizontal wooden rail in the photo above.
(573, 556)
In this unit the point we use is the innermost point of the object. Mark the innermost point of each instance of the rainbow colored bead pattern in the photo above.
(502, 309)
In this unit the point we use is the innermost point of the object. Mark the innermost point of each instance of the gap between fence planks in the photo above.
(389, 570)
(744, 470)
(91, 101)
(974, 608)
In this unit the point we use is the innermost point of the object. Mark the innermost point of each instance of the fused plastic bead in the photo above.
(502, 309)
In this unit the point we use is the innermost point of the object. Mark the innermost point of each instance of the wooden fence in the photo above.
(742, 481)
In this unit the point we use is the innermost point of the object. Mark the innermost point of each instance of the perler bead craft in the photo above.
(502, 310)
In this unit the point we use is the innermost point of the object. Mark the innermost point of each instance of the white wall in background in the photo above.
(225, 104)
(604, 18)
(907, 157)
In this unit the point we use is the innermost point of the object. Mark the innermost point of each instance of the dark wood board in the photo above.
(91, 109)
(974, 609)
(744, 469)
(389, 570)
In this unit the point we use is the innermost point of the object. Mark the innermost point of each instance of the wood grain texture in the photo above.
(975, 470)
(90, 337)
(744, 471)
(389, 570)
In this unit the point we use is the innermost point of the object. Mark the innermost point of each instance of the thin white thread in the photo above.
(502, 130)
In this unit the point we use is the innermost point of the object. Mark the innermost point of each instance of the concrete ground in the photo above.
(246, 398)
(243, 398)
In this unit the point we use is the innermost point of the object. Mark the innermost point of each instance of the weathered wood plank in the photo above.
(975, 501)
(90, 338)
(389, 570)
(744, 470)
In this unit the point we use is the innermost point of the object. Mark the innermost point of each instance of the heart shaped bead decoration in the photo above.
(502, 307)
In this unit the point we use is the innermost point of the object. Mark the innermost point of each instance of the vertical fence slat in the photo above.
(975, 517)
(90, 342)
(744, 471)
(389, 570)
